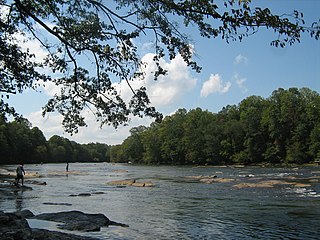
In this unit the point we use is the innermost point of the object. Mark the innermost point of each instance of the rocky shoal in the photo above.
(15, 225)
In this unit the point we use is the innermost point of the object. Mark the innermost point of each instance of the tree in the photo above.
(104, 33)
(152, 141)
(19, 138)
(4, 145)
(61, 149)
(39, 145)
(171, 133)
(251, 110)
(132, 146)
(195, 128)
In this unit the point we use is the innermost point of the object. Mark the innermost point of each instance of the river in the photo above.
(179, 206)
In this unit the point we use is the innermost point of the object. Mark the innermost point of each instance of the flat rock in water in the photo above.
(36, 182)
(126, 182)
(59, 204)
(84, 194)
(76, 220)
(130, 182)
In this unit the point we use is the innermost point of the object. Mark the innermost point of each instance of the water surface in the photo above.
(179, 206)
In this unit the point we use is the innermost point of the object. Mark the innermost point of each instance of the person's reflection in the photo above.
(19, 200)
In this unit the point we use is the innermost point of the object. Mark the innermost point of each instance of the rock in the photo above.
(60, 204)
(252, 185)
(25, 213)
(84, 226)
(138, 184)
(148, 184)
(216, 180)
(84, 194)
(211, 179)
(123, 182)
(13, 226)
(98, 193)
(130, 182)
(76, 220)
(263, 184)
(314, 180)
(302, 185)
(36, 182)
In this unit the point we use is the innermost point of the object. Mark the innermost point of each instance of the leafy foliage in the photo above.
(20, 142)
(283, 128)
(90, 44)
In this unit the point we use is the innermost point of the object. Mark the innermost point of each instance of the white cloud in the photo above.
(31, 44)
(214, 85)
(50, 88)
(240, 59)
(162, 92)
(240, 82)
(168, 88)
(51, 125)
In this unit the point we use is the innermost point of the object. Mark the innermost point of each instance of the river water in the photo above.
(179, 206)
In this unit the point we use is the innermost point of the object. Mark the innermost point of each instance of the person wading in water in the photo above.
(20, 172)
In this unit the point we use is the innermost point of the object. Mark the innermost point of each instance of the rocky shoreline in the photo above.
(15, 225)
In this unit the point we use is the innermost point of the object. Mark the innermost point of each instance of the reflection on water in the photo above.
(179, 207)
(18, 194)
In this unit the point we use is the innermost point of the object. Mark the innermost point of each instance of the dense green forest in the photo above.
(282, 129)
(20, 142)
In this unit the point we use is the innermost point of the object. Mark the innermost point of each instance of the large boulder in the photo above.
(76, 220)
(13, 226)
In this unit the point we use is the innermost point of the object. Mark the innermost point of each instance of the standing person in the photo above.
(67, 167)
(20, 172)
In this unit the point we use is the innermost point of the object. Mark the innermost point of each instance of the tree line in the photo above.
(281, 129)
(22, 143)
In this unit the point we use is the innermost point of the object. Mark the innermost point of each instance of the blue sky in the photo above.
(230, 73)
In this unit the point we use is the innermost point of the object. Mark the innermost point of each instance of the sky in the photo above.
(230, 73)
